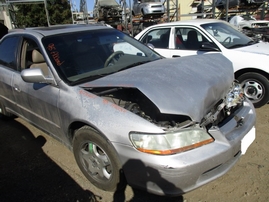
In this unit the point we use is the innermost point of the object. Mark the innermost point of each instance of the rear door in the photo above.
(160, 38)
(9, 58)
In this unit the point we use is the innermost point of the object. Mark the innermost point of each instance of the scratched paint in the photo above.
(104, 101)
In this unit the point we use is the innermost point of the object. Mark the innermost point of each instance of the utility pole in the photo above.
(84, 10)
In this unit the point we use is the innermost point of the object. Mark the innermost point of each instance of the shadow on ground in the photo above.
(28, 174)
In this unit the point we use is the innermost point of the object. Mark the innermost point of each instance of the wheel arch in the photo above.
(251, 69)
(142, 11)
(73, 127)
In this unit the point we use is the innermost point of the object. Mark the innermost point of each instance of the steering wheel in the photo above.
(227, 39)
(112, 56)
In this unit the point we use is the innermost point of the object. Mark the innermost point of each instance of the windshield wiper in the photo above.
(242, 45)
(252, 42)
(87, 79)
(134, 64)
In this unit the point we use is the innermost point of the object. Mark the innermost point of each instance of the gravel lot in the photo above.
(35, 167)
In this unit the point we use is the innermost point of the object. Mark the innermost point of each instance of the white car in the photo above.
(248, 22)
(201, 36)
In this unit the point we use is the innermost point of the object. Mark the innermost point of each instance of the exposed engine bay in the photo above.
(136, 102)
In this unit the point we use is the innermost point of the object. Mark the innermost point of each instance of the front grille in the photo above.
(223, 116)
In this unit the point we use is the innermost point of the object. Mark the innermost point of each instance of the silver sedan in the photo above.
(129, 115)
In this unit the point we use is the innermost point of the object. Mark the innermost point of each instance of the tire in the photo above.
(4, 114)
(97, 160)
(256, 88)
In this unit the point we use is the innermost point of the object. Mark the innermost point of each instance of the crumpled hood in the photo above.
(189, 85)
(261, 48)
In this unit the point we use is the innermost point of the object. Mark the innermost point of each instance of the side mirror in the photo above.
(35, 75)
(150, 45)
(207, 46)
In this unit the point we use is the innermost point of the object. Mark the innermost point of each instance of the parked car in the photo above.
(201, 36)
(148, 8)
(3, 30)
(107, 10)
(222, 4)
(248, 22)
(126, 112)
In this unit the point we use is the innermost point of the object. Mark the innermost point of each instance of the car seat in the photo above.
(164, 40)
(39, 62)
(192, 42)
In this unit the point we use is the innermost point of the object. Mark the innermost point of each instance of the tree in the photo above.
(34, 14)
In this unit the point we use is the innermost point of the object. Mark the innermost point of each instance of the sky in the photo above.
(76, 4)
(90, 3)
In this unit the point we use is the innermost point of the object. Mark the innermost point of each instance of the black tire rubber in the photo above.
(263, 84)
(4, 114)
(86, 143)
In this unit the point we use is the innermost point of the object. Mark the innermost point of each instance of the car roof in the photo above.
(59, 29)
(196, 22)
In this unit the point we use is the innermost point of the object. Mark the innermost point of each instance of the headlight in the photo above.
(170, 143)
(235, 95)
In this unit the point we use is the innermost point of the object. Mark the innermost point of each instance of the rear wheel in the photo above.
(97, 159)
(256, 88)
(3, 112)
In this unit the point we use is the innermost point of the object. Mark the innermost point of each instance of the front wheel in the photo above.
(256, 88)
(97, 159)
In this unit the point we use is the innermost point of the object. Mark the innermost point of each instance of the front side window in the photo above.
(8, 52)
(188, 39)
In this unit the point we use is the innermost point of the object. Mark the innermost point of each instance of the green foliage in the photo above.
(34, 14)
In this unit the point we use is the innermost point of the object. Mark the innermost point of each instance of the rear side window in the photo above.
(159, 38)
(8, 54)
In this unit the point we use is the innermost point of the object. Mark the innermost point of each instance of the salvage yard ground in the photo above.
(35, 167)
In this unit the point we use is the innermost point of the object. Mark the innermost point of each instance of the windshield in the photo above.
(228, 36)
(88, 55)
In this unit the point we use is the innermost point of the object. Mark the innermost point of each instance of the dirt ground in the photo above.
(35, 167)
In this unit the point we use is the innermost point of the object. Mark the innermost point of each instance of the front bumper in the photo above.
(152, 11)
(174, 175)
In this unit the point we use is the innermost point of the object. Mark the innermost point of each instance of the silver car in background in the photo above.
(148, 8)
(127, 113)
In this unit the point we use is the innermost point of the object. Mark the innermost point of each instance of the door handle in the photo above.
(175, 56)
(17, 88)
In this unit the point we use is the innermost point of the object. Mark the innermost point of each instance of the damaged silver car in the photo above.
(128, 114)
(107, 10)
